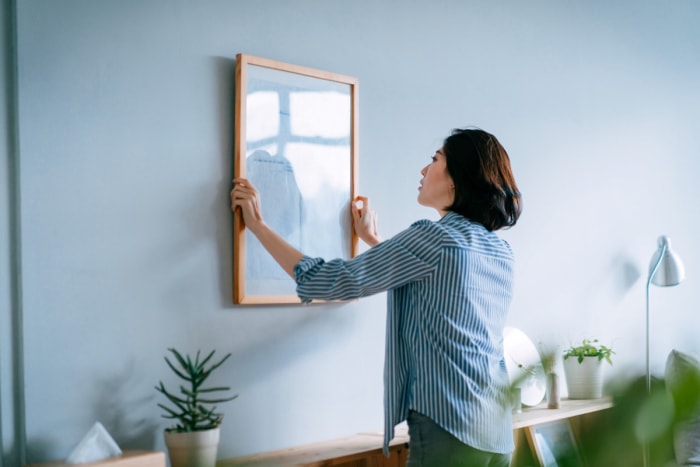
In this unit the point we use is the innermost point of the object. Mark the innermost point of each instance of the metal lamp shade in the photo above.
(670, 270)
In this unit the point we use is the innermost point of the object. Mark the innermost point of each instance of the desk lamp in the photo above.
(665, 270)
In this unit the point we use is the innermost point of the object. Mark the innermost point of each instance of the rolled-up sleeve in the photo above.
(410, 255)
(304, 271)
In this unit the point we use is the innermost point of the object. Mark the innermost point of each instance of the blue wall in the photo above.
(125, 121)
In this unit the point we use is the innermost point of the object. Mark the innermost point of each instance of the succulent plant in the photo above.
(193, 408)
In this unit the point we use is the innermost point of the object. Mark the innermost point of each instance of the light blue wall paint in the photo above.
(125, 111)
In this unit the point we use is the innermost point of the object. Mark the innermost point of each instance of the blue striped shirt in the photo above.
(449, 288)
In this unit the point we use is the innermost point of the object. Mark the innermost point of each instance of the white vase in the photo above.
(584, 380)
(193, 449)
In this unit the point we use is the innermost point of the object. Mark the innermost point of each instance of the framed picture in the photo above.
(554, 444)
(296, 140)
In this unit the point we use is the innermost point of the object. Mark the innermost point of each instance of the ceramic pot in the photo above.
(193, 449)
(584, 380)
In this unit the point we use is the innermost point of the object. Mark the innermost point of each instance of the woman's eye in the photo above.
(433, 158)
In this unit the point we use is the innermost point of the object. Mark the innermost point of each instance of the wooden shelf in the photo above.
(334, 452)
(127, 459)
(365, 449)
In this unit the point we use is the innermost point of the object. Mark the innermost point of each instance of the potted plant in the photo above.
(193, 441)
(583, 368)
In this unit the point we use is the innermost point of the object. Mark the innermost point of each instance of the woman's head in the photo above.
(484, 187)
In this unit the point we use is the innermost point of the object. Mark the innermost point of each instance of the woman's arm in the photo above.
(408, 256)
(245, 197)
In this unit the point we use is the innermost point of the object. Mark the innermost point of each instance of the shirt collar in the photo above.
(452, 217)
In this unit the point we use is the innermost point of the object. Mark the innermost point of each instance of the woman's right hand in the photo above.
(364, 221)
(245, 197)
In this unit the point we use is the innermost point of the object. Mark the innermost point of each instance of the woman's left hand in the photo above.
(364, 221)
(246, 197)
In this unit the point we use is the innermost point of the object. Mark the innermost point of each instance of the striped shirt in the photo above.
(449, 288)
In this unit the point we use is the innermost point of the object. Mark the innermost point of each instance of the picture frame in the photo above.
(554, 444)
(296, 140)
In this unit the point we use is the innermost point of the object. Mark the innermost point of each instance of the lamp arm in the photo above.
(651, 275)
(645, 451)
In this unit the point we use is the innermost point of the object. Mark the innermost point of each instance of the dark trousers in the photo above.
(431, 446)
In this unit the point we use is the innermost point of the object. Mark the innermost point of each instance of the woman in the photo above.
(449, 288)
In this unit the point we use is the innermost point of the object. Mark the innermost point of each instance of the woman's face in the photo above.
(436, 190)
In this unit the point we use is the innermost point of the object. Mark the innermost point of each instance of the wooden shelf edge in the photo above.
(568, 408)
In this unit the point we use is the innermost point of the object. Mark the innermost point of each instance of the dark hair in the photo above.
(485, 190)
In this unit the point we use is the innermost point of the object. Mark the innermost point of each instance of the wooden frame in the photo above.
(296, 140)
(554, 444)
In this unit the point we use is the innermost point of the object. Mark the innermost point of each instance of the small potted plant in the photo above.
(583, 368)
(193, 441)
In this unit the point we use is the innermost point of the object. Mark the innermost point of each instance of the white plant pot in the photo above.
(584, 380)
(193, 449)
